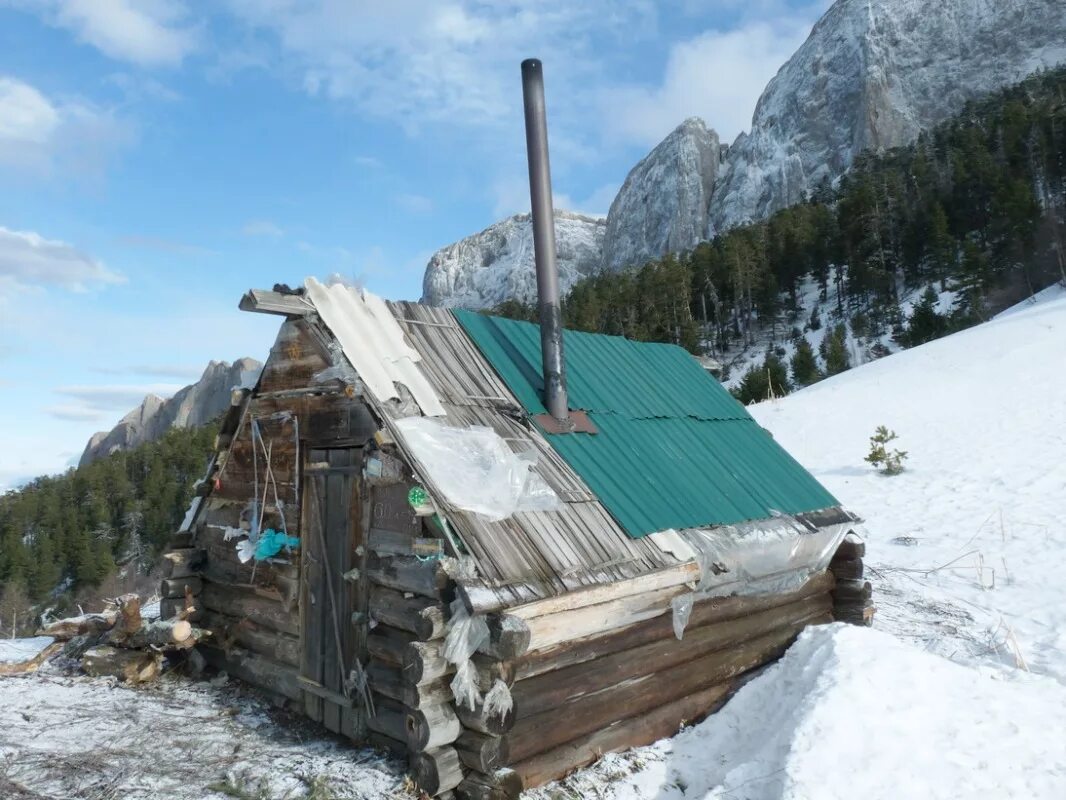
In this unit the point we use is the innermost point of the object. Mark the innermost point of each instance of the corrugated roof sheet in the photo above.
(675, 449)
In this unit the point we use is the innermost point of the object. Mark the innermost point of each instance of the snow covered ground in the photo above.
(959, 691)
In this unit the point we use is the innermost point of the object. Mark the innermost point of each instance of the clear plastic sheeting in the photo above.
(465, 635)
(475, 470)
(771, 556)
(340, 370)
(498, 700)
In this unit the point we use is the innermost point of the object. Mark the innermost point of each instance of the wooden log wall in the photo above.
(632, 685)
(852, 596)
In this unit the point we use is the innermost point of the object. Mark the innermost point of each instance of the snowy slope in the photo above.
(961, 693)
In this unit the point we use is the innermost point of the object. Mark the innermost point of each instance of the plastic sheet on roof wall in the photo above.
(769, 557)
(475, 469)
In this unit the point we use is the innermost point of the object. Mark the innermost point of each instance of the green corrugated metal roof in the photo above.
(674, 448)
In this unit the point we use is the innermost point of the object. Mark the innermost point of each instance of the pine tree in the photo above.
(834, 349)
(804, 365)
(890, 462)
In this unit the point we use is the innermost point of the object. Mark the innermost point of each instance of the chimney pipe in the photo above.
(540, 197)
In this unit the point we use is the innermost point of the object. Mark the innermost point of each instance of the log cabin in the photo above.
(405, 535)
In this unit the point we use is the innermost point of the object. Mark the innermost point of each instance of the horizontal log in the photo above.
(846, 569)
(477, 719)
(260, 608)
(553, 689)
(704, 612)
(182, 563)
(384, 742)
(394, 543)
(166, 634)
(847, 590)
(389, 645)
(176, 587)
(851, 547)
(132, 666)
(544, 731)
(408, 574)
(267, 674)
(387, 679)
(431, 727)
(422, 616)
(178, 607)
(423, 661)
(389, 719)
(68, 628)
(482, 752)
(503, 784)
(231, 631)
(437, 770)
(636, 731)
(509, 637)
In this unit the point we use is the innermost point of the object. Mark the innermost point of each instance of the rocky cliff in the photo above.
(662, 206)
(481, 270)
(196, 404)
(872, 74)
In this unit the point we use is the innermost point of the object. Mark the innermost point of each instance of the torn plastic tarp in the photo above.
(771, 556)
(476, 470)
(465, 635)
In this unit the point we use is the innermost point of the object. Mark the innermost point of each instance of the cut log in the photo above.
(536, 734)
(132, 666)
(389, 719)
(68, 628)
(489, 671)
(30, 664)
(178, 587)
(169, 634)
(262, 608)
(635, 731)
(228, 632)
(180, 608)
(392, 543)
(183, 563)
(481, 752)
(553, 689)
(704, 612)
(269, 675)
(423, 617)
(387, 679)
(509, 637)
(851, 547)
(129, 614)
(407, 574)
(846, 569)
(437, 770)
(476, 719)
(423, 662)
(432, 727)
(852, 590)
(503, 784)
(384, 742)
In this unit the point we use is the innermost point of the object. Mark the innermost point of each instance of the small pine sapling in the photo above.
(889, 462)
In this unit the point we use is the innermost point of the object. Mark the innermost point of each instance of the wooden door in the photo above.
(331, 637)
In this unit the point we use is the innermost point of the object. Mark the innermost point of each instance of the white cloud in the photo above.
(263, 228)
(717, 75)
(43, 135)
(115, 397)
(29, 260)
(144, 32)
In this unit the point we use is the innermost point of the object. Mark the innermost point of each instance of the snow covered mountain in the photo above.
(662, 206)
(872, 74)
(488, 267)
(196, 404)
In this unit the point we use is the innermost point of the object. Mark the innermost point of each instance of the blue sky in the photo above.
(159, 158)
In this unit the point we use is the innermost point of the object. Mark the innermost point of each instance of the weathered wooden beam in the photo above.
(267, 674)
(482, 752)
(552, 690)
(264, 301)
(433, 726)
(592, 712)
(477, 719)
(846, 569)
(408, 574)
(132, 666)
(183, 563)
(393, 543)
(389, 645)
(436, 770)
(635, 731)
(503, 784)
(851, 547)
(509, 637)
(704, 612)
(262, 609)
(852, 590)
(231, 631)
(423, 661)
(422, 616)
(389, 719)
(387, 679)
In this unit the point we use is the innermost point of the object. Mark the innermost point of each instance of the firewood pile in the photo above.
(119, 643)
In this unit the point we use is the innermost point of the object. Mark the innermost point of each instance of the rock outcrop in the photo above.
(662, 206)
(496, 264)
(195, 405)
